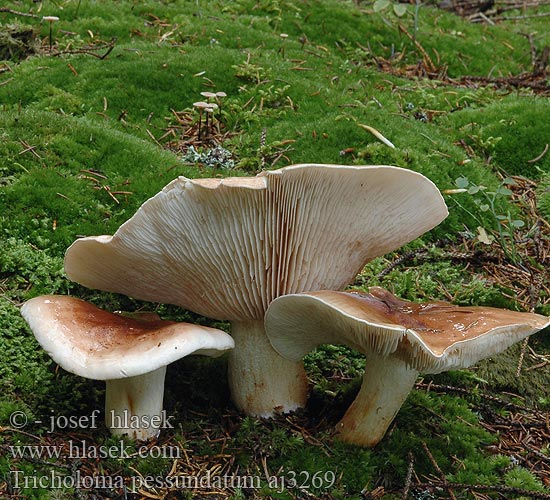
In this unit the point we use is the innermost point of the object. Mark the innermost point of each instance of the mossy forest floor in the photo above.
(97, 116)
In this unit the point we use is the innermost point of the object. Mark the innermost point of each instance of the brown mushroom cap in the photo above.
(430, 337)
(100, 345)
(225, 248)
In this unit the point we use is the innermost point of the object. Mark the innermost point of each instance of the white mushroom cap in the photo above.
(429, 337)
(100, 345)
(225, 248)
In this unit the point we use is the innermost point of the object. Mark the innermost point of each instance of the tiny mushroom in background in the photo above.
(225, 248)
(130, 354)
(200, 105)
(209, 110)
(400, 339)
(209, 95)
(219, 96)
(50, 20)
(283, 37)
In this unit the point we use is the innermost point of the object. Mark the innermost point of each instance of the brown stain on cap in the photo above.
(439, 325)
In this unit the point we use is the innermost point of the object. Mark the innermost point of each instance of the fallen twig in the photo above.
(408, 478)
(461, 390)
(519, 18)
(17, 13)
(377, 134)
(439, 471)
(91, 50)
(534, 160)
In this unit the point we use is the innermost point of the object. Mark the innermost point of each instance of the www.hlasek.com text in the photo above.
(74, 449)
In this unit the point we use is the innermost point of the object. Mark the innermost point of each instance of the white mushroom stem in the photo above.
(133, 405)
(261, 381)
(386, 384)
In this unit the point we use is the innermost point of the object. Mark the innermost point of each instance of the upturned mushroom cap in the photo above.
(225, 248)
(430, 337)
(100, 345)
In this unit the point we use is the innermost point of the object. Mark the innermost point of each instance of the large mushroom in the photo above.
(225, 248)
(130, 354)
(400, 339)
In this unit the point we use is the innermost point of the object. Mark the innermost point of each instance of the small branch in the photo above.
(91, 51)
(377, 134)
(534, 160)
(407, 486)
(439, 471)
(524, 345)
(17, 13)
(519, 18)
(535, 452)
(461, 390)
(427, 59)
(400, 260)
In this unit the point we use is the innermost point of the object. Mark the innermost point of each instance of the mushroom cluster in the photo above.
(399, 339)
(269, 254)
(226, 248)
(208, 107)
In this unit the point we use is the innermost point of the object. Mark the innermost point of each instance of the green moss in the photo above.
(513, 132)
(519, 477)
(500, 372)
(74, 127)
(64, 188)
(543, 196)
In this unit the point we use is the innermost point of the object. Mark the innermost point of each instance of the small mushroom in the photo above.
(283, 37)
(225, 248)
(209, 95)
(130, 354)
(200, 105)
(219, 96)
(50, 20)
(209, 110)
(400, 339)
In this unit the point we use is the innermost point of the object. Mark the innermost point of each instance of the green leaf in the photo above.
(473, 189)
(484, 207)
(462, 182)
(399, 9)
(380, 5)
(483, 236)
(518, 223)
(504, 191)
